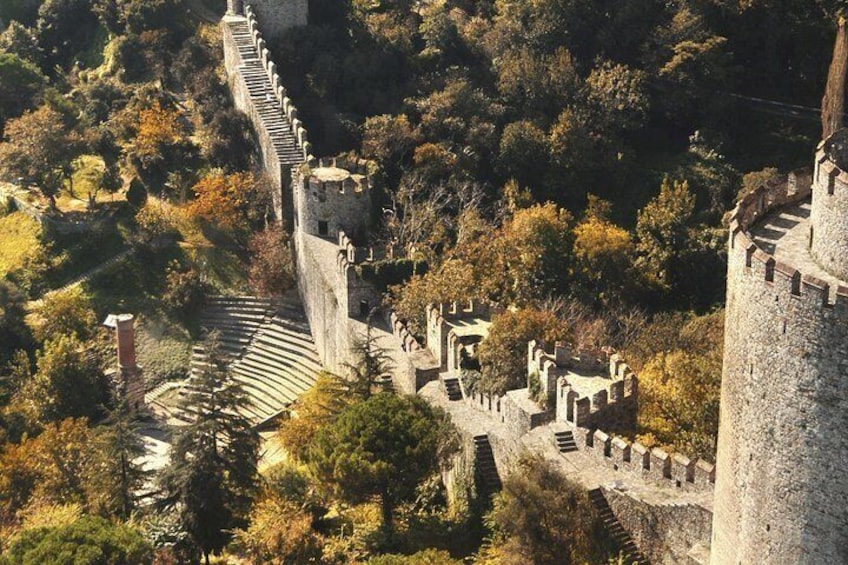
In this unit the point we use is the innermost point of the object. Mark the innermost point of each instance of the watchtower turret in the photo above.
(781, 493)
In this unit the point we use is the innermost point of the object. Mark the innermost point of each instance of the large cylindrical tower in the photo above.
(781, 491)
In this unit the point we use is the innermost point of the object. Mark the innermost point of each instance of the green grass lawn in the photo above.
(18, 238)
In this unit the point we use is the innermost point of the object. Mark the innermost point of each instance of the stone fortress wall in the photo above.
(258, 92)
(781, 493)
(781, 488)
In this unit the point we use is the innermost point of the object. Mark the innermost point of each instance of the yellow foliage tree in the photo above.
(315, 408)
(223, 199)
(158, 129)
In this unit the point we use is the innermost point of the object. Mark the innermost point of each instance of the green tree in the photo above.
(22, 82)
(13, 331)
(503, 354)
(68, 382)
(211, 478)
(663, 232)
(542, 517)
(87, 541)
(115, 476)
(39, 148)
(382, 447)
(524, 153)
(68, 313)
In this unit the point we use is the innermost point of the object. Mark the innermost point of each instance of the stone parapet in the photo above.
(653, 465)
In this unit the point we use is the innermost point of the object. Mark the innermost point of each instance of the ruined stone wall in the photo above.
(781, 487)
(667, 534)
(829, 215)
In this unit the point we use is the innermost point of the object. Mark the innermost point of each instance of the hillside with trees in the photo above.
(570, 161)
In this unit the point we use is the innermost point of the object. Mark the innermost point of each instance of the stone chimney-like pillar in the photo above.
(125, 329)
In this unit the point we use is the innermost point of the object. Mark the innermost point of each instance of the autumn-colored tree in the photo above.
(280, 533)
(529, 257)
(47, 469)
(680, 389)
(604, 255)
(271, 271)
(160, 140)
(542, 517)
(453, 281)
(223, 199)
(315, 408)
(39, 148)
(388, 140)
(503, 354)
(68, 312)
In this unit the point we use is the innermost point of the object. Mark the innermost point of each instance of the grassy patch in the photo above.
(18, 238)
(163, 348)
(88, 179)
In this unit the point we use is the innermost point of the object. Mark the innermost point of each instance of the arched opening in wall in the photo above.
(364, 308)
(811, 238)
(323, 228)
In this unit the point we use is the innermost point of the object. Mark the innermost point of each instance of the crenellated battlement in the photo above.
(783, 277)
(654, 465)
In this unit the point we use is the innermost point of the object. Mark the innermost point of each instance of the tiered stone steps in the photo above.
(279, 366)
(268, 348)
(484, 459)
(261, 92)
(628, 547)
(452, 388)
(236, 318)
(565, 441)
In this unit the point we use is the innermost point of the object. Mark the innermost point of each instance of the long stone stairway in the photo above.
(628, 548)
(263, 96)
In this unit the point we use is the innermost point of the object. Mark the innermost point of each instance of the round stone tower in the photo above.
(334, 197)
(781, 492)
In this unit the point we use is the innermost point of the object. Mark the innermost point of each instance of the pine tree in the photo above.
(117, 475)
(211, 478)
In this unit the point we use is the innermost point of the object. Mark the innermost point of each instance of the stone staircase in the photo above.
(279, 365)
(565, 441)
(486, 469)
(452, 388)
(625, 543)
(263, 97)
(269, 350)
